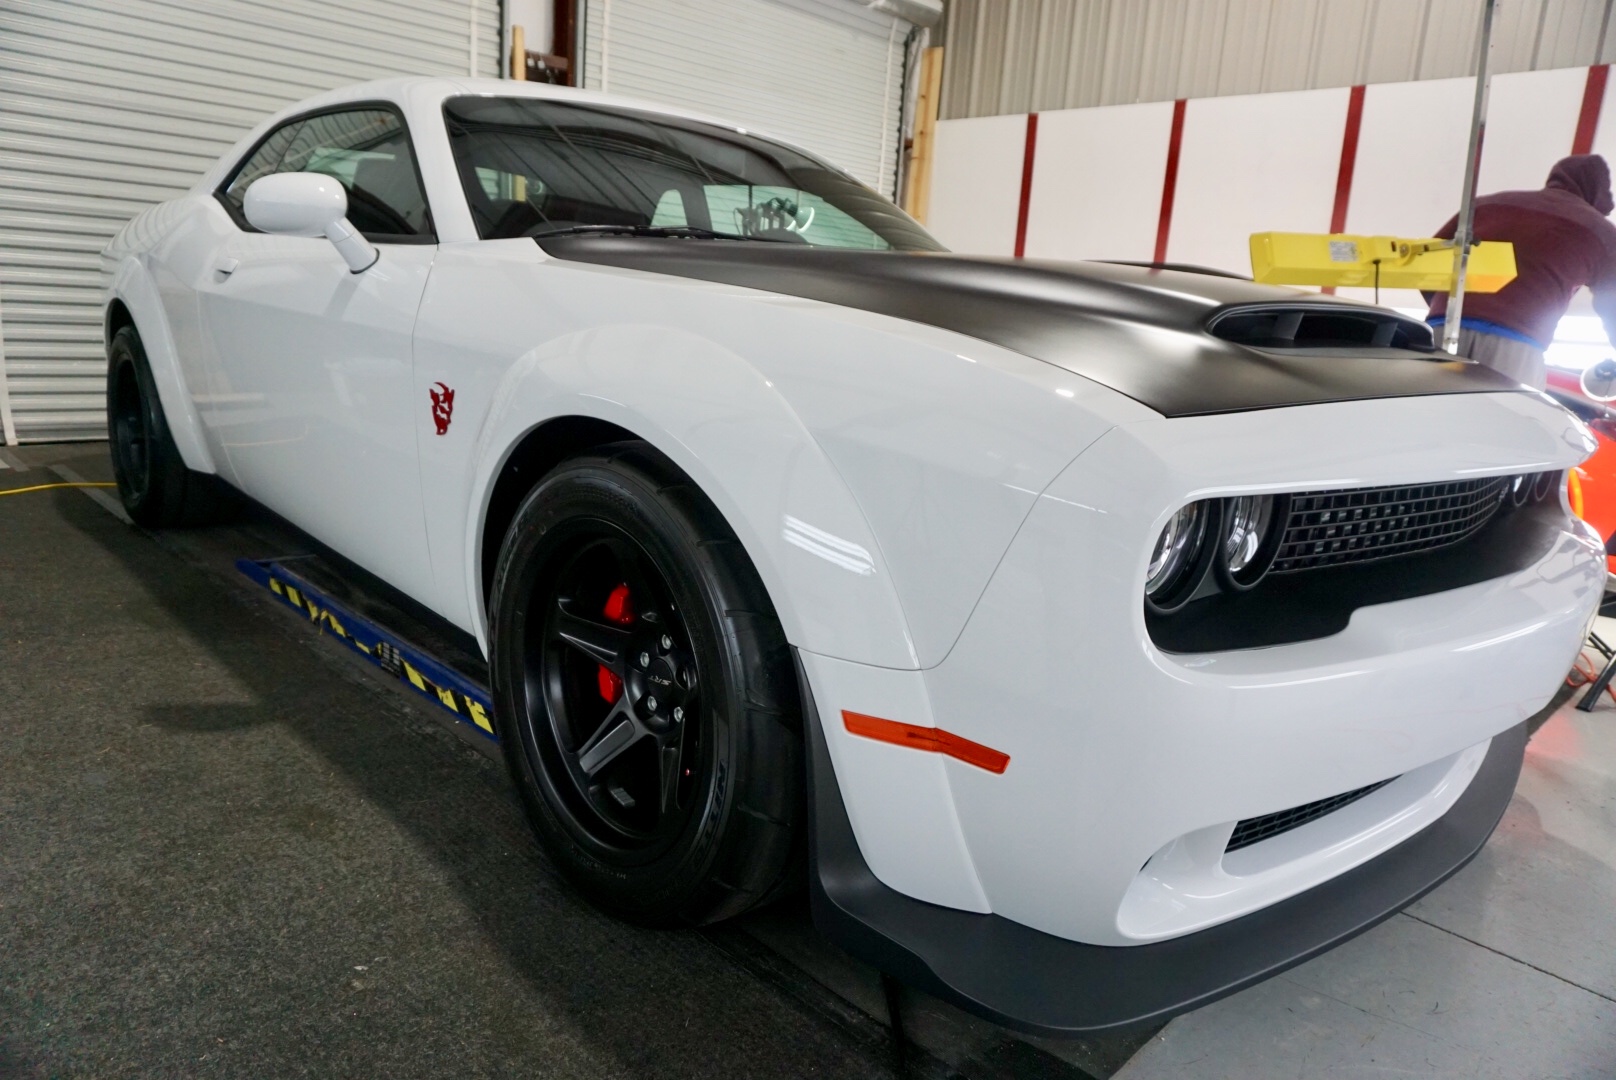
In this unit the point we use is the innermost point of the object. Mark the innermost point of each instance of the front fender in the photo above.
(716, 417)
(874, 469)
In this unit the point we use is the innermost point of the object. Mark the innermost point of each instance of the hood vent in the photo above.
(1320, 326)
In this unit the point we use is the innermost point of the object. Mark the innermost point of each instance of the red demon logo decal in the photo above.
(442, 406)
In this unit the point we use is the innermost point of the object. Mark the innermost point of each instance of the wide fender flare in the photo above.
(133, 285)
(728, 428)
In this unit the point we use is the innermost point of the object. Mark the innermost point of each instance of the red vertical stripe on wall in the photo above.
(1349, 160)
(1593, 96)
(1170, 181)
(1027, 155)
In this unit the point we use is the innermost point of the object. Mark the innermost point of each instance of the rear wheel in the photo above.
(645, 693)
(156, 488)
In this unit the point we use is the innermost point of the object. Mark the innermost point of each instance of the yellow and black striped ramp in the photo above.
(434, 680)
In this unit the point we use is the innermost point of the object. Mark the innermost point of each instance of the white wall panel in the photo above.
(1251, 164)
(108, 106)
(1411, 155)
(1410, 166)
(976, 184)
(1531, 120)
(1097, 182)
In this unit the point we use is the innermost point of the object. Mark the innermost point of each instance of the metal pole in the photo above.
(1467, 199)
(8, 429)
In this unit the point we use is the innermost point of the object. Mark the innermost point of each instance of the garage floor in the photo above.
(228, 848)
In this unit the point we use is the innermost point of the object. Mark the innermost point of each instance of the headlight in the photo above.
(1251, 536)
(1178, 563)
(1544, 484)
(1520, 489)
(1535, 487)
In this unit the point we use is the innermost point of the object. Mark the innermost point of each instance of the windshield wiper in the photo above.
(678, 232)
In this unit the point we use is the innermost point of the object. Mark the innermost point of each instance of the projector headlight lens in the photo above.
(1250, 517)
(1520, 489)
(1543, 485)
(1175, 563)
(1252, 527)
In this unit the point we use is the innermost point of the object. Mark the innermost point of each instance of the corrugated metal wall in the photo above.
(1016, 56)
(108, 106)
(825, 74)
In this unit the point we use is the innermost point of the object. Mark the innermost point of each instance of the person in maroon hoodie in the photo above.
(1563, 241)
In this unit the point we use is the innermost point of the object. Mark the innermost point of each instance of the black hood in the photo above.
(1093, 319)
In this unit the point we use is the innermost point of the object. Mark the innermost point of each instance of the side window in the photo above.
(368, 152)
(262, 162)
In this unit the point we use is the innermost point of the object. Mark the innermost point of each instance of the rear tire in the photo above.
(622, 599)
(157, 489)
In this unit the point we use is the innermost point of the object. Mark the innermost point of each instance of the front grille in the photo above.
(1252, 830)
(1357, 525)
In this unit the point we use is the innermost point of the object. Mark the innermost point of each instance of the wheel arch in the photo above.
(118, 316)
(820, 604)
(133, 300)
(538, 452)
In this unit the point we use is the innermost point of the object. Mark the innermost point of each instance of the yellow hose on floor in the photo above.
(62, 484)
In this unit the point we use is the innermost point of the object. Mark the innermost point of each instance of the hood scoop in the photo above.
(1320, 326)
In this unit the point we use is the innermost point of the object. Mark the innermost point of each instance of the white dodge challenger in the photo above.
(1099, 638)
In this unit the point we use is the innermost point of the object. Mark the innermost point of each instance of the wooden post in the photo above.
(518, 53)
(917, 191)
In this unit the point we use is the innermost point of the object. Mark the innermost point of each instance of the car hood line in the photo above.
(1135, 330)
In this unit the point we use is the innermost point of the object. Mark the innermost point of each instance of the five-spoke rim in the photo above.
(613, 693)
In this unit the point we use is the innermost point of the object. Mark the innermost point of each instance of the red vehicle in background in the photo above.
(1593, 483)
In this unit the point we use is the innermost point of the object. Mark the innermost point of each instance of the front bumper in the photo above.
(1045, 985)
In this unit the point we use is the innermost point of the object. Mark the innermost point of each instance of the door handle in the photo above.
(226, 266)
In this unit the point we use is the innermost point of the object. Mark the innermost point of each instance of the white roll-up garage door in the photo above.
(108, 106)
(825, 74)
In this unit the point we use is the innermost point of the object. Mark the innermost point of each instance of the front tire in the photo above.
(644, 693)
(156, 488)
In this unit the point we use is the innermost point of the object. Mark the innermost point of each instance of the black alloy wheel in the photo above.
(156, 488)
(131, 439)
(644, 694)
(612, 674)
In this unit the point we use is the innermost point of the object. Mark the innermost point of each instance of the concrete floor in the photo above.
(228, 848)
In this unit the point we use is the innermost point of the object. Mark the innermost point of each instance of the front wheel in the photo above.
(156, 488)
(644, 693)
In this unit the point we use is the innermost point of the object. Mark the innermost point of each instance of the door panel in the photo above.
(313, 400)
(310, 388)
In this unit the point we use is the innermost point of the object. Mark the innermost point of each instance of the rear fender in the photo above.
(133, 285)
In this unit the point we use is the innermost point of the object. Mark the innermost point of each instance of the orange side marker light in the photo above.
(1574, 490)
(933, 739)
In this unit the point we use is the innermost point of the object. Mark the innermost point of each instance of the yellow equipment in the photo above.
(1389, 262)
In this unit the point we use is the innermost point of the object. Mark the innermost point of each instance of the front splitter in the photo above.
(1045, 985)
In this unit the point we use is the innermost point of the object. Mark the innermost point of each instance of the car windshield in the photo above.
(534, 167)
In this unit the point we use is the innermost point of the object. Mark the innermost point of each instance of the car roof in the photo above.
(417, 92)
(423, 89)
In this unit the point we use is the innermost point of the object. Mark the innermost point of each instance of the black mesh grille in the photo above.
(1363, 524)
(1251, 830)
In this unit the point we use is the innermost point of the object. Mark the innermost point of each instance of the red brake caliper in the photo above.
(619, 610)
